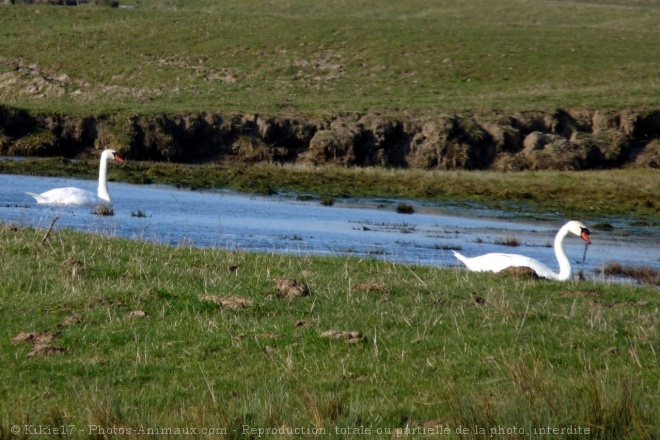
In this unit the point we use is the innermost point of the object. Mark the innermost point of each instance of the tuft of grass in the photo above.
(139, 214)
(103, 210)
(643, 274)
(405, 208)
(509, 240)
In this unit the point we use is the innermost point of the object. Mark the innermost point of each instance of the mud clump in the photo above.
(291, 288)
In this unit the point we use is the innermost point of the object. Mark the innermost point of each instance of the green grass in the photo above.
(307, 58)
(440, 346)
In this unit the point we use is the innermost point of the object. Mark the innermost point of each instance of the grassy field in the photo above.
(149, 337)
(304, 58)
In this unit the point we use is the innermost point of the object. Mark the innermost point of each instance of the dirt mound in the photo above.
(291, 288)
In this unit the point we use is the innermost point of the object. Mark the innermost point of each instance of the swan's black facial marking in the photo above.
(584, 233)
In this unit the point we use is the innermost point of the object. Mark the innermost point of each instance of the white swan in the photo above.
(496, 262)
(77, 196)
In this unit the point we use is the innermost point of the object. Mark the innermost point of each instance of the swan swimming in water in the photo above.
(77, 196)
(496, 262)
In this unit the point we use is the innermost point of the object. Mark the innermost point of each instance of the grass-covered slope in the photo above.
(302, 57)
(138, 341)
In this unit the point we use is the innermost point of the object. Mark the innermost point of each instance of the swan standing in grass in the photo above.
(496, 262)
(77, 196)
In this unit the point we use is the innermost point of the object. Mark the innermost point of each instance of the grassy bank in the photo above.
(305, 58)
(145, 345)
(628, 193)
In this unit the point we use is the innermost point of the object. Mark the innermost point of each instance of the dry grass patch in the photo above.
(372, 286)
(644, 274)
(45, 350)
(71, 320)
(33, 338)
(41, 343)
(348, 336)
(509, 240)
(229, 303)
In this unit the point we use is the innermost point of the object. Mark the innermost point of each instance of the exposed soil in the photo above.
(559, 140)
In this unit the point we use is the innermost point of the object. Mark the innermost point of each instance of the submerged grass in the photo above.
(144, 348)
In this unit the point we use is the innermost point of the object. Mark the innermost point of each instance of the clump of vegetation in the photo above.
(405, 208)
(35, 144)
(103, 210)
(509, 240)
(650, 155)
(251, 149)
(139, 214)
(108, 3)
(644, 274)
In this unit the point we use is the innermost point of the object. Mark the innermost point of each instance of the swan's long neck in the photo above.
(103, 179)
(565, 270)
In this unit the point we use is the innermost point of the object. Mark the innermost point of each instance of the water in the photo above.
(281, 224)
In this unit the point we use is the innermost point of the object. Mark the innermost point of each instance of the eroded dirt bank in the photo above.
(561, 140)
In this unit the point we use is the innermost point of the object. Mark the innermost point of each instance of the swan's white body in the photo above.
(496, 262)
(77, 196)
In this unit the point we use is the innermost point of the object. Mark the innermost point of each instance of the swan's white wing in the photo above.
(66, 196)
(497, 262)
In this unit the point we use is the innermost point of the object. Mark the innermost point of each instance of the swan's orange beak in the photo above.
(585, 236)
(118, 158)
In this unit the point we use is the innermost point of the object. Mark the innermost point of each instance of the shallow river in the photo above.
(281, 224)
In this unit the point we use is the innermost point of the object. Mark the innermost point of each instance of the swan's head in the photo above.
(579, 229)
(111, 155)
